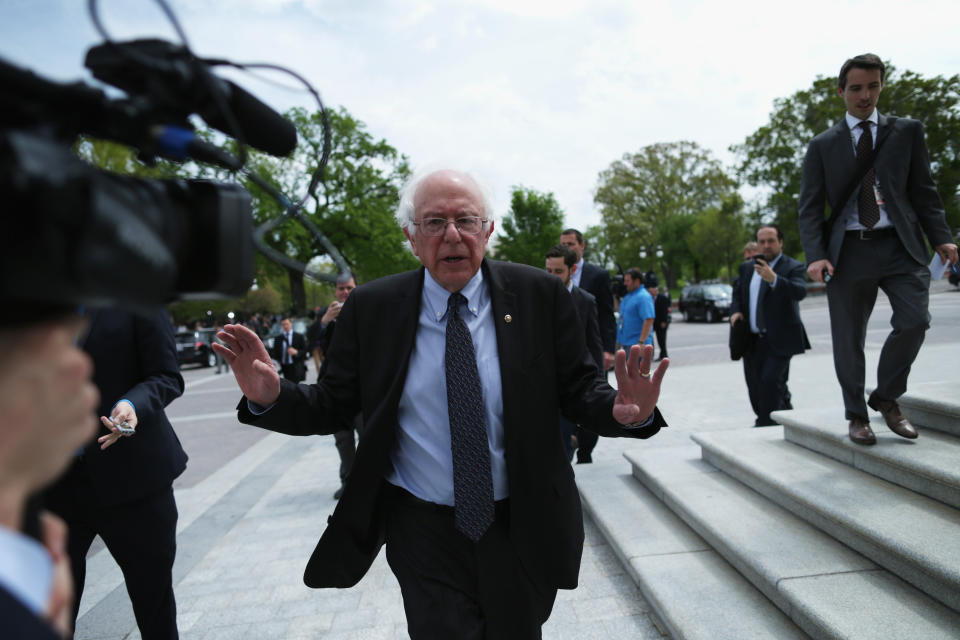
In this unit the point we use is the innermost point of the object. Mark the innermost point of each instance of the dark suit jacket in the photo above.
(134, 357)
(661, 305)
(903, 173)
(19, 623)
(596, 280)
(586, 306)
(778, 307)
(280, 347)
(544, 368)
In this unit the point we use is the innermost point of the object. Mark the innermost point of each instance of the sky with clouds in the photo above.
(539, 93)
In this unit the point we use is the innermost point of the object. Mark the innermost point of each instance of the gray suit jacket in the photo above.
(903, 173)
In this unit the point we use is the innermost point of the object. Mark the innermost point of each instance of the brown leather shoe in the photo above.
(890, 411)
(860, 432)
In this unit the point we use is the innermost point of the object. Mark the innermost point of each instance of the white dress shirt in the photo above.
(755, 282)
(851, 212)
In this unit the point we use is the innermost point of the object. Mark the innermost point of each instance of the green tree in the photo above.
(354, 202)
(532, 226)
(772, 156)
(649, 200)
(718, 235)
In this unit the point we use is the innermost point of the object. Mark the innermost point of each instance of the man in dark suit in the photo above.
(290, 350)
(661, 310)
(874, 239)
(596, 281)
(460, 370)
(344, 437)
(767, 297)
(46, 412)
(561, 261)
(121, 488)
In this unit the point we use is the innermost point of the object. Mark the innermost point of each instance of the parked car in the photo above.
(707, 301)
(193, 347)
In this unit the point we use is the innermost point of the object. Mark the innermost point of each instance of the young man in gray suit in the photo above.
(874, 239)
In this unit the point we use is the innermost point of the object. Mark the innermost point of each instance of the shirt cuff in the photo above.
(774, 283)
(129, 402)
(259, 410)
(638, 425)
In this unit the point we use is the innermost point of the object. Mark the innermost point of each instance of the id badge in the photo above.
(878, 194)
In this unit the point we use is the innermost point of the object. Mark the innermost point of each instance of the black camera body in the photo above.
(78, 235)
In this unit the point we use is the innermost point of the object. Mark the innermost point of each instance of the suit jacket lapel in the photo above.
(883, 129)
(510, 341)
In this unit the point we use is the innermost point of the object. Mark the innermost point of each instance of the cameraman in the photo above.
(46, 413)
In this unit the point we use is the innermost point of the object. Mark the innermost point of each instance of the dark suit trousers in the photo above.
(661, 338)
(141, 537)
(294, 372)
(864, 267)
(766, 375)
(454, 588)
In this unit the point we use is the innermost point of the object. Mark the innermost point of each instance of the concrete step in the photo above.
(827, 589)
(910, 535)
(693, 591)
(927, 465)
(935, 405)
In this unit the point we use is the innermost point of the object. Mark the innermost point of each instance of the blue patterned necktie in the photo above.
(472, 479)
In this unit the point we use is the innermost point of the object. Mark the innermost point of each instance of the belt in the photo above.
(871, 234)
(401, 495)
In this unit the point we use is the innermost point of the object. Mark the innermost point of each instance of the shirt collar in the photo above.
(436, 297)
(853, 121)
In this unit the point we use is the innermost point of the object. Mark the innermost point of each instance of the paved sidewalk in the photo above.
(246, 531)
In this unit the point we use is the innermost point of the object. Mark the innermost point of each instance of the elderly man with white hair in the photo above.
(460, 370)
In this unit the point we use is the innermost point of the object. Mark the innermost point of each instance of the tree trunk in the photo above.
(298, 293)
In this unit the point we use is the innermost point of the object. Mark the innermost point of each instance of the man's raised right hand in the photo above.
(251, 364)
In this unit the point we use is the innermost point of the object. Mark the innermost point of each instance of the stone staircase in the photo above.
(794, 531)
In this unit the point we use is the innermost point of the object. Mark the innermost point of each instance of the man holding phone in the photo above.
(767, 294)
(120, 486)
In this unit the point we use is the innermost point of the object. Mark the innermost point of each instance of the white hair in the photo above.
(405, 213)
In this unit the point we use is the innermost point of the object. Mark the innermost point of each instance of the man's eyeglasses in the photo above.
(467, 225)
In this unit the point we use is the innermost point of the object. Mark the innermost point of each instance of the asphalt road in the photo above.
(698, 343)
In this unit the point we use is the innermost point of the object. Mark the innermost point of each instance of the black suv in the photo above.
(707, 301)
(193, 347)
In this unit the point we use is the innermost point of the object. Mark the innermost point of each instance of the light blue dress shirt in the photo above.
(26, 570)
(755, 282)
(422, 460)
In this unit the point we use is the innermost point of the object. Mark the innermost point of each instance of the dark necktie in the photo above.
(867, 201)
(472, 479)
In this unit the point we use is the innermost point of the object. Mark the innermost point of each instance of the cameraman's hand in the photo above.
(47, 404)
(122, 412)
(251, 364)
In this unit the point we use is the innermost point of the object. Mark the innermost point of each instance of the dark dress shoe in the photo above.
(860, 432)
(890, 411)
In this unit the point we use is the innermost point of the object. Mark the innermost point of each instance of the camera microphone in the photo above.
(177, 84)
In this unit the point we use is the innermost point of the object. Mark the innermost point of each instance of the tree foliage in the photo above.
(354, 203)
(530, 228)
(650, 200)
(718, 235)
(772, 156)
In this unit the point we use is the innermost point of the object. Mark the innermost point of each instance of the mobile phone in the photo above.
(123, 427)
(825, 275)
(758, 258)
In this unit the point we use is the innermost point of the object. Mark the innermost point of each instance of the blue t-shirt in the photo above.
(635, 307)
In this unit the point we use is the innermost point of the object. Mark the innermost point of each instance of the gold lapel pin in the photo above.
(508, 318)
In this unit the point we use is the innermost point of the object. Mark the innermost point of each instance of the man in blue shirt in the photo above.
(636, 312)
(460, 370)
